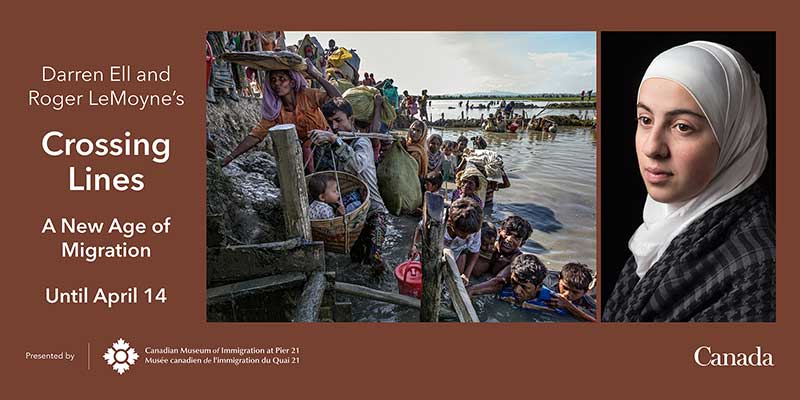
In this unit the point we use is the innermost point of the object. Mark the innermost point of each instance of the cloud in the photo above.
(463, 62)
(549, 60)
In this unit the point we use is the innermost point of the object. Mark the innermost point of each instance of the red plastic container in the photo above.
(409, 278)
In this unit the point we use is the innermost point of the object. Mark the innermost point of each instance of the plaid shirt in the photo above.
(722, 268)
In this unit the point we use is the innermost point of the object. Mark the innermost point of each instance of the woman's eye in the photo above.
(683, 128)
(645, 120)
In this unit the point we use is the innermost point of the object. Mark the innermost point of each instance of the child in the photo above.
(458, 151)
(488, 239)
(493, 186)
(411, 106)
(525, 288)
(514, 231)
(467, 188)
(322, 190)
(574, 281)
(462, 235)
(461, 145)
(435, 156)
(449, 161)
(433, 182)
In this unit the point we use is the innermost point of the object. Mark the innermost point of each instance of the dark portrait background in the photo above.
(624, 58)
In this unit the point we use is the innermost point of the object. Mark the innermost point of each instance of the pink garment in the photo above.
(270, 103)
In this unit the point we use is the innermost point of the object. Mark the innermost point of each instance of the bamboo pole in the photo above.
(433, 226)
(458, 293)
(368, 135)
(289, 159)
(387, 297)
(375, 294)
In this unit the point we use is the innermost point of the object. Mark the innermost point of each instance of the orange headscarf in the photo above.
(419, 149)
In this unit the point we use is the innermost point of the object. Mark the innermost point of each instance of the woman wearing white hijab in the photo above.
(706, 248)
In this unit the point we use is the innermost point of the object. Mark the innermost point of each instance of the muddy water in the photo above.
(552, 186)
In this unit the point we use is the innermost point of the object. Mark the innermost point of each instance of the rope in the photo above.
(314, 147)
(344, 217)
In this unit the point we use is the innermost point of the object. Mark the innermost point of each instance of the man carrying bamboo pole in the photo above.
(357, 158)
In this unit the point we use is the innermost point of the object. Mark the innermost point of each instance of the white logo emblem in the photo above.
(120, 356)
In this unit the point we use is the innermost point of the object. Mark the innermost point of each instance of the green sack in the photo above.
(398, 181)
(362, 98)
(341, 84)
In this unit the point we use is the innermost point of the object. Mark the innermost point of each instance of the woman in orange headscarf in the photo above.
(416, 146)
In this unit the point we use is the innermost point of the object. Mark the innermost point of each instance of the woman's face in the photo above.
(280, 83)
(675, 145)
(434, 145)
(415, 131)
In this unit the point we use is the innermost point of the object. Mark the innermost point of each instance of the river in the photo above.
(451, 109)
(553, 186)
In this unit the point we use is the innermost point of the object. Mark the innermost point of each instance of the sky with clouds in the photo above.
(468, 62)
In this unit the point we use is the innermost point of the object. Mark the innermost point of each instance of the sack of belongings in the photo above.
(362, 98)
(337, 58)
(344, 63)
(398, 181)
(489, 161)
(341, 84)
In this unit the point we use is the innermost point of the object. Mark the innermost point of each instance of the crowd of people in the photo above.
(483, 250)
(321, 115)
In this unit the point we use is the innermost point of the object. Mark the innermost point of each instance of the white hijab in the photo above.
(727, 90)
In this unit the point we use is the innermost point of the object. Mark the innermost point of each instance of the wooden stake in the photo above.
(433, 226)
(311, 299)
(289, 159)
(261, 285)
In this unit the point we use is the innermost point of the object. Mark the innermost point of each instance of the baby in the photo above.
(325, 198)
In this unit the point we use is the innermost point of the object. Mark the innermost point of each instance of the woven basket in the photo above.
(338, 235)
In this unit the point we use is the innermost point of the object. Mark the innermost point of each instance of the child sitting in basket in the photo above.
(326, 203)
